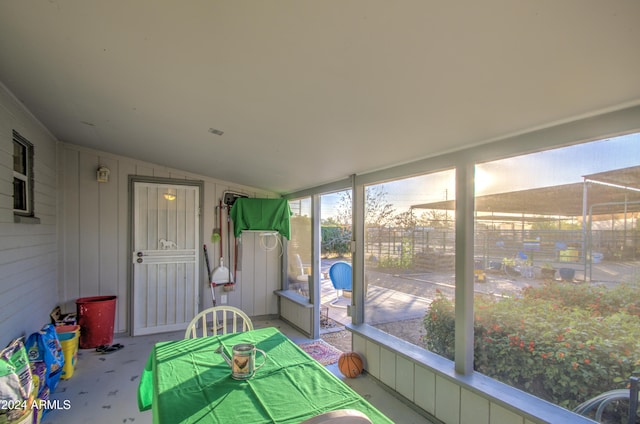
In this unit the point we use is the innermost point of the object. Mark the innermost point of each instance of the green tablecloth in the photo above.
(186, 382)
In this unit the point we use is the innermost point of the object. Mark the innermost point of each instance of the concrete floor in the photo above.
(103, 388)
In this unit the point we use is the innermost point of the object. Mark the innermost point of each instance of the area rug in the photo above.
(321, 351)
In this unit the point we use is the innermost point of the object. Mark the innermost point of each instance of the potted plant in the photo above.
(548, 272)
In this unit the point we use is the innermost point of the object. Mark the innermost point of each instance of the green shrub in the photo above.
(335, 240)
(561, 342)
(440, 325)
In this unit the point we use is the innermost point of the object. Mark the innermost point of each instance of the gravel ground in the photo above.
(338, 339)
(410, 330)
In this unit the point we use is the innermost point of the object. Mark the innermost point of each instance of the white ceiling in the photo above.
(309, 92)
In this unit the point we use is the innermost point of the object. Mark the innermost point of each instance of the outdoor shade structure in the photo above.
(606, 196)
(617, 191)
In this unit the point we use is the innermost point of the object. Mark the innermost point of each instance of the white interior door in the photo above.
(165, 256)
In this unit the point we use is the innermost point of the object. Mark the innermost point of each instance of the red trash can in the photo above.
(96, 317)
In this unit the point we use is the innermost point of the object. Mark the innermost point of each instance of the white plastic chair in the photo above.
(218, 320)
(302, 276)
(301, 282)
(342, 416)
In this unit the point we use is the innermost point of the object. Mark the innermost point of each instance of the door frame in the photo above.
(157, 180)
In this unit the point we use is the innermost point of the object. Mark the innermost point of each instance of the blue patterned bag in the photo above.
(44, 346)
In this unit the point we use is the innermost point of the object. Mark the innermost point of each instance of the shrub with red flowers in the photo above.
(561, 342)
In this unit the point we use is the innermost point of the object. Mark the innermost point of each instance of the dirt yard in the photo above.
(411, 330)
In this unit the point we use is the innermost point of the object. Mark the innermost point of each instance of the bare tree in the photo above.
(405, 220)
(378, 211)
(435, 219)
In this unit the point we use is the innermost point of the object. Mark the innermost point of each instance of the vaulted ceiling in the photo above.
(309, 92)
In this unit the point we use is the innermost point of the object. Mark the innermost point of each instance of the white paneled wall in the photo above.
(80, 244)
(94, 234)
(429, 381)
(425, 389)
(448, 400)
(258, 276)
(474, 408)
(28, 251)
(297, 314)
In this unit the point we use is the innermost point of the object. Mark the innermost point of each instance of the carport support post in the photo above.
(464, 267)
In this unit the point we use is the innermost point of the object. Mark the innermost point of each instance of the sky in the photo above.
(552, 167)
(560, 166)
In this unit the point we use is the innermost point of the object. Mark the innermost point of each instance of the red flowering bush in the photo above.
(561, 342)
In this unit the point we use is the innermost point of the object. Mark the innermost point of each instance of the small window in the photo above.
(22, 175)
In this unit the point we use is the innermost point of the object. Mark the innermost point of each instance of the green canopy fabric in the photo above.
(261, 214)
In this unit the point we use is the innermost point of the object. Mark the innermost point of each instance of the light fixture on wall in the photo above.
(102, 174)
(170, 194)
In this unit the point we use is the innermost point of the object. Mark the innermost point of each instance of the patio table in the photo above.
(185, 381)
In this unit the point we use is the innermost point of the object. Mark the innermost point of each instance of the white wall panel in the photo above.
(107, 223)
(296, 314)
(359, 346)
(89, 225)
(388, 367)
(501, 415)
(247, 286)
(373, 359)
(405, 375)
(28, 251)
(257, 280)
(68, 228)
(447, 400)
(473, 408)
(425, 389)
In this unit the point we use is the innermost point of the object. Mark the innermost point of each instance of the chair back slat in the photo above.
(220, 320)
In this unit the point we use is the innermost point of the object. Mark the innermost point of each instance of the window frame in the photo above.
(26, 178)
(582, 129)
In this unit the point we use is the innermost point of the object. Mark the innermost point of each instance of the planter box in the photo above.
(548, 273)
